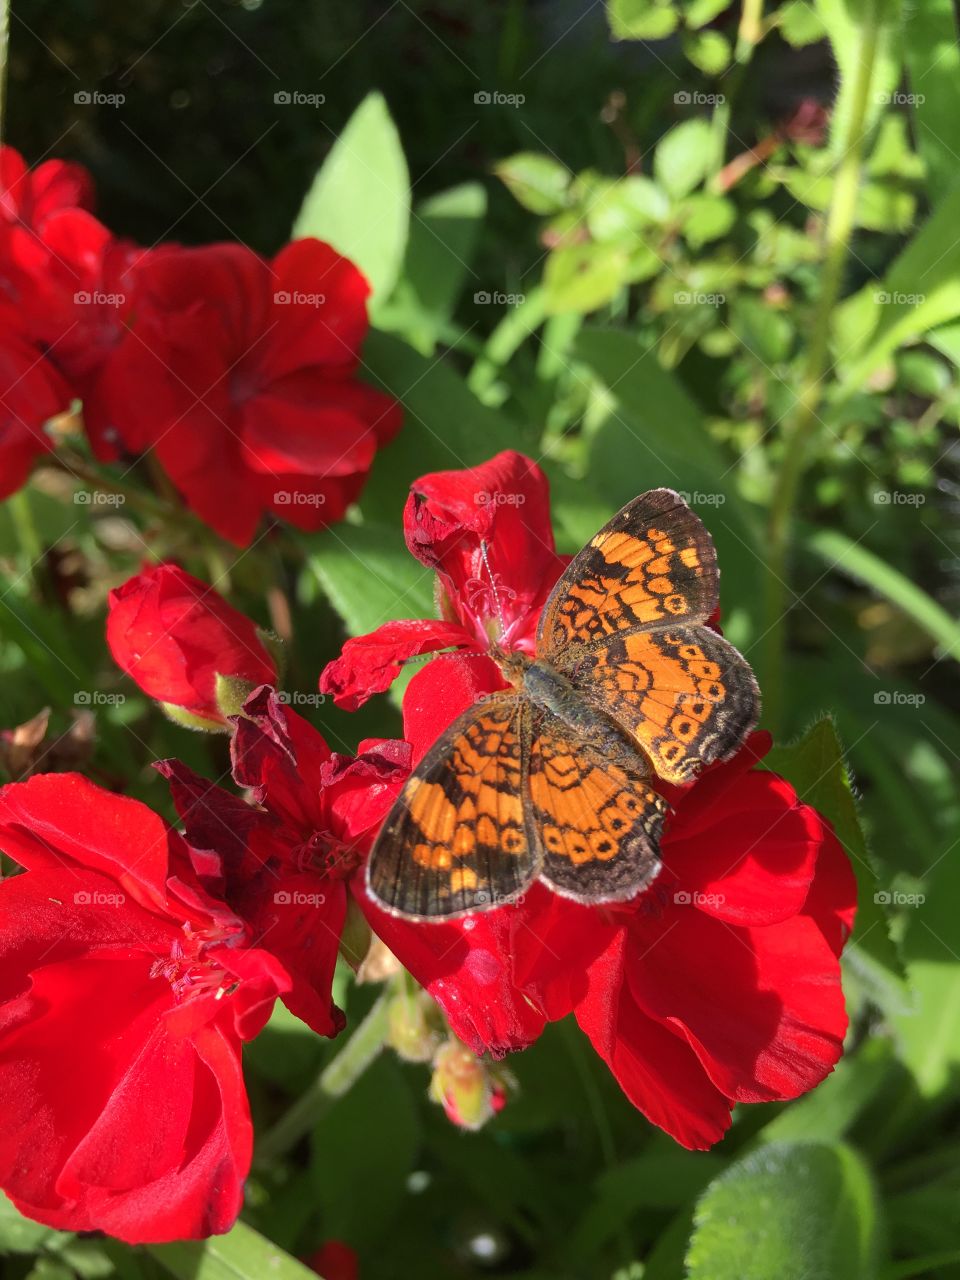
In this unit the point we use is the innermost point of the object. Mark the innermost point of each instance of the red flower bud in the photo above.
(174, 636)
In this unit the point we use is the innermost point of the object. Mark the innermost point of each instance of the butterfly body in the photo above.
(551, 778)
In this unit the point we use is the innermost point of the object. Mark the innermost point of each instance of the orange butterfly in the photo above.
(550, 779)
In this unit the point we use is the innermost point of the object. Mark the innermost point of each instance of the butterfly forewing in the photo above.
(653, 565)
(456, 840)
(686, 696)
(597, 822)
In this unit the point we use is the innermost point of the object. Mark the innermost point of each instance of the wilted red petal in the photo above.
(369, 664)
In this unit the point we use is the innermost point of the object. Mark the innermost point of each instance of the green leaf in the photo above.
(364, 1149)
(444, 426)
(583, 277)
(683, 155)
(536, 181)
(815, 766)
(932, 54)
(360, 199)
(641, 19)
(794, 1211)
(624, 207)
(800, 24)
(709, 51)
(369, 575)
(443, 237)
(21, 1235)
(919, 292)
(881, 206)
(705, 218)
(241, 1254)
(697, 13)
(855, 560)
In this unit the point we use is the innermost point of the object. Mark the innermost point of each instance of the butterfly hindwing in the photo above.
(597, 821)
(654, 565)
(456, 839)
(687, 697)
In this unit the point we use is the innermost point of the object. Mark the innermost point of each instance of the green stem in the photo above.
(802, 424)
(516, 326)
(333, 1082)
(21, 513)
(749, 34)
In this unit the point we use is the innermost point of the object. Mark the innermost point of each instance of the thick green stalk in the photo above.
(333, 1082)
(804, 420)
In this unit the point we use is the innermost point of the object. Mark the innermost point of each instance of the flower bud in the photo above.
(416, 1027)
(185, 646)
(470, 1090)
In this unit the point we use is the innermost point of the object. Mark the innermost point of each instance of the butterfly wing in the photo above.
(686, 697)
(654, 565)
(625, 625)
(456, 839)
(596, 821)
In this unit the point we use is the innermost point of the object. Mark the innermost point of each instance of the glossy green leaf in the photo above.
(794, 1211)
(360, 199)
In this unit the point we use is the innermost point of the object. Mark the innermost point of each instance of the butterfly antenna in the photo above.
(493, 588)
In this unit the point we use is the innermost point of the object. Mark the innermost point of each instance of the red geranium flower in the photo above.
(721, 982)
(126, 993)
(285, 865)
(487, 533)
(28, 196)
(174, 635)
(31, 393)
(240, 375)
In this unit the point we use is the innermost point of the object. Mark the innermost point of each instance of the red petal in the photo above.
(62, 821)
(369, 664)
(445, 687)
(657, 1071)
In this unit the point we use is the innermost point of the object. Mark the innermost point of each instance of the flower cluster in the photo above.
(211, 359)
(155, 953)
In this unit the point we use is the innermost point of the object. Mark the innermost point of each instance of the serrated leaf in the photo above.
(360, 199)
(796, 1211)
